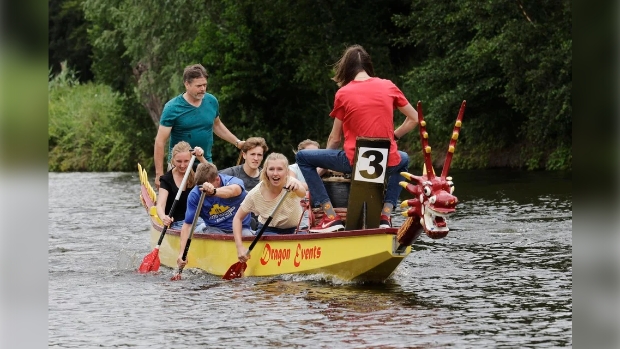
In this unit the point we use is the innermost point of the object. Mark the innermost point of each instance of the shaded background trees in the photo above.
(270, 67)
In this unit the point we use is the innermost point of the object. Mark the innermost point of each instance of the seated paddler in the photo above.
(170, 183)
(275, 183)
(224, 195)
(252, 150)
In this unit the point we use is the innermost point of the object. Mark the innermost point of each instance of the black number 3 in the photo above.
(374, 163)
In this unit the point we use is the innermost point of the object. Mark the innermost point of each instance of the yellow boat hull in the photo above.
(352, 256)
(355, 255)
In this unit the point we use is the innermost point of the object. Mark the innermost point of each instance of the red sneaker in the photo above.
(385, 222)
(327, 225)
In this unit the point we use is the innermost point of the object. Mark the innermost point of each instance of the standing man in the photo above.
(192, 117)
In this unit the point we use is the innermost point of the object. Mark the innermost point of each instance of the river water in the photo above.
(501, 279)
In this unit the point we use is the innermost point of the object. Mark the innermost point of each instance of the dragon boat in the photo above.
(362, 252)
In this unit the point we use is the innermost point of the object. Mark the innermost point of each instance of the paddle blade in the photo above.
(235, 271)
(150, 262)
(176, 276)
(156, 264)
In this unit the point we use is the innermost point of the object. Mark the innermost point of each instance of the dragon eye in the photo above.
(427, 191)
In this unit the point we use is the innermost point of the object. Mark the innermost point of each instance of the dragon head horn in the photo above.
(424, 172)
(426, 149)
(453, 139)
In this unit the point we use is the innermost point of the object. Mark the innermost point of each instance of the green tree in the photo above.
(271, 65)
(513, 66)
(68, 38)
(267, 65)
(87, 130)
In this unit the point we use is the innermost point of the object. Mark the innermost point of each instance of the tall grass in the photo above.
(87, 130)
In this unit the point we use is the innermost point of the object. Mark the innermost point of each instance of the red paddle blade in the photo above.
(177, 275)
(150, 262)
(156, 264)
(235, 271)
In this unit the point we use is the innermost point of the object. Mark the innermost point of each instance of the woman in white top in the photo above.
(265, 196)
(305, 144)
(296, 172)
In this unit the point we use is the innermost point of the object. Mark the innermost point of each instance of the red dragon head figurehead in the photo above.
(433, 200)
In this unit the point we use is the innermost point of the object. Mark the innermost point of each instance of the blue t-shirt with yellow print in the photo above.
(217, 212)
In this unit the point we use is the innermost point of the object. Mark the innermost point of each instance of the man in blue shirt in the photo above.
(224, 197)
(192, 117)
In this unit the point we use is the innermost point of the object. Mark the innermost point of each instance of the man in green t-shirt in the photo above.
(192, 117)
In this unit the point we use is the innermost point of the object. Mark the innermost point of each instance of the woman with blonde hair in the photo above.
(171, 181)
(275, 183)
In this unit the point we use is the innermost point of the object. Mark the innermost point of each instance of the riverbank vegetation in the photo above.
(88, 130)
(270, 67)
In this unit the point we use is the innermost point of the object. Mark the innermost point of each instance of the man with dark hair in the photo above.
(193, 117)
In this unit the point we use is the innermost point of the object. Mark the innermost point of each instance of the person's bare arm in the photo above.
(237, 233)
(223, 192)
(200, 155)
(411, 120)
(162, 196)
(185, 230)
(294, 175)
(222, 131)
(163, 133)
(297, 187)
(335, 137)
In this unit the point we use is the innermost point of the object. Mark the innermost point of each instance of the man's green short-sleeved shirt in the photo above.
(191, 124)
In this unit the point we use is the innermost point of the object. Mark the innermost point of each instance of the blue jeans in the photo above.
(179, 224)
(245, 231)
(336, 160)
(273, 230)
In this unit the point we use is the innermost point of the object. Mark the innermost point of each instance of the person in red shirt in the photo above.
(363, 107)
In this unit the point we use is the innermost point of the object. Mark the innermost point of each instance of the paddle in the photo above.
(177, 275)
(236, 270)
(151, 261)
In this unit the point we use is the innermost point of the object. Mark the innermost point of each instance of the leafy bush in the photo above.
(87, 130)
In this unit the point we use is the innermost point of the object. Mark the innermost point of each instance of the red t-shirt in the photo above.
(366, 109)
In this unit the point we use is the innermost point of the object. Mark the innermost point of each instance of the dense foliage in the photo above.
(68, 40)
(512, 62)
(270, 68)
(88, 131)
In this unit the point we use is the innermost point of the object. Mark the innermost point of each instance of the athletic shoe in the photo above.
(385, 222)
(328, 225)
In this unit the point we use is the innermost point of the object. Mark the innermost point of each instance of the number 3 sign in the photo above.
(371, 165)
